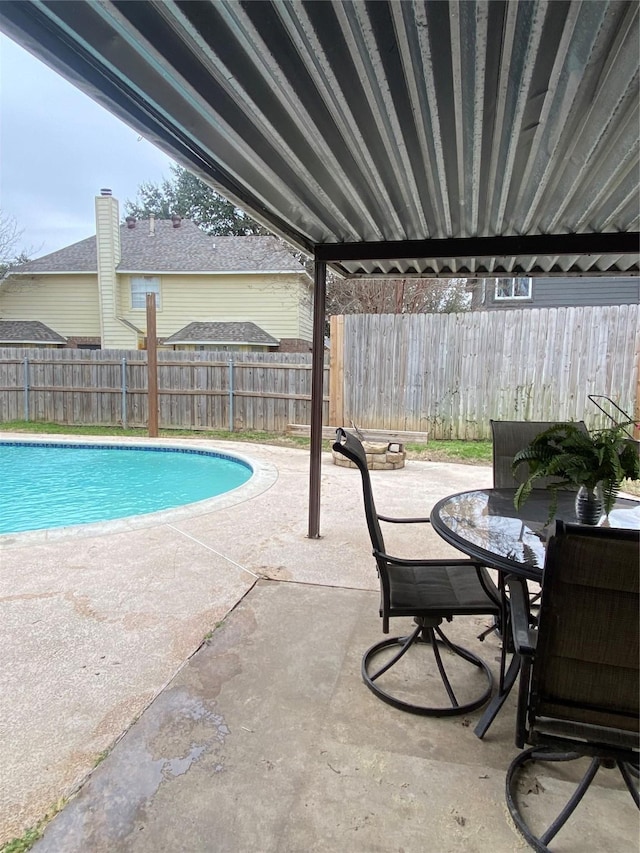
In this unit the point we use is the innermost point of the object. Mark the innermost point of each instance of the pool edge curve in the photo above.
(264, 475)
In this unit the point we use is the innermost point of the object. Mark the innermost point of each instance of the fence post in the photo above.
(123, 385)
(152, 367)
(25, 363)
(231, 418)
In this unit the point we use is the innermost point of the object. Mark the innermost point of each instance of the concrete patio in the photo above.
(219, 650)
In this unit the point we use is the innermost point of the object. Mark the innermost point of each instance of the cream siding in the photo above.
(279, 304)
(305, 306)
(68, 304)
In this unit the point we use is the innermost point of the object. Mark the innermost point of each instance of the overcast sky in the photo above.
(58, 149)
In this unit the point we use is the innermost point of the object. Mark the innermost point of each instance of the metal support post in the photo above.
(317, 389)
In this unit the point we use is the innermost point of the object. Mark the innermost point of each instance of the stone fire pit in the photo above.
(381, 456)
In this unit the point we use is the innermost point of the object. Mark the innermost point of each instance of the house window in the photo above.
(140, 286)
(513, 288)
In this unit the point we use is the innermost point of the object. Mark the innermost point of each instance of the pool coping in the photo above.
(265, 474)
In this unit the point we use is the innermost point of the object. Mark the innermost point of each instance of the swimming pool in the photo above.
(54, 484)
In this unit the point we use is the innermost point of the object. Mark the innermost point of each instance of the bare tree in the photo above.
(397, 296)
(9, 236)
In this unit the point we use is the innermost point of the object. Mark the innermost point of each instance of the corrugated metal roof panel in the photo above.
(348, 122)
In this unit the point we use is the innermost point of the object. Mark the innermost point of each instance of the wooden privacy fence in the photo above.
(442, 374)
(197, 390)
(449, 374)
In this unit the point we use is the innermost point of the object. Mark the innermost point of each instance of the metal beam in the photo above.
(618, 243)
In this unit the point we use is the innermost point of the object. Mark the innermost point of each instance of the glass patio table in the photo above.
(486, 525)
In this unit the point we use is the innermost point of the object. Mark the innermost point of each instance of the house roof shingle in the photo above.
(14, 332)
(169, 249)
(222, 333)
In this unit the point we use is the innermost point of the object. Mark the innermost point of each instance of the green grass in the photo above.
(24, 843)
(100, 757)
(65, 429)
(34, 833)
(469, 452)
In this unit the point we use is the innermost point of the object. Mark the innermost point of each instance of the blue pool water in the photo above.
(53, 485)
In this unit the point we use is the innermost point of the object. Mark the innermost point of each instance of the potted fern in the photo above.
(596, 463)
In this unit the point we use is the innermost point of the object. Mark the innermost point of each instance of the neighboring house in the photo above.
(491, 294)
(212, 293)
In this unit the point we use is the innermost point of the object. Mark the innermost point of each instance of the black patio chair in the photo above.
(508, 438)
(579, 683)
(430, 591)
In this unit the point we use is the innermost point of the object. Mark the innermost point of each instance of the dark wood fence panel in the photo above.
(197, 390)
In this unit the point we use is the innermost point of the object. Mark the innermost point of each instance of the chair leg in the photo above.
(405, 644)
(443, 674)
(540, 842)
(435, 638)
(494, 628)
(628, 771)
(507, 679)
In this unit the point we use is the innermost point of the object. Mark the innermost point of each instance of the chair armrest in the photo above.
(524, 638)
(404, 520)
(401, 562)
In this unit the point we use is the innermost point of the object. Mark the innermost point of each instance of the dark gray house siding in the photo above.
(557, 292)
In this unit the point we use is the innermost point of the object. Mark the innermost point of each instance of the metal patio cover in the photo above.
(383, 138)
(497, 137)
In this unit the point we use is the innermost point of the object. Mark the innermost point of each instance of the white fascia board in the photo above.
(130, 325)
